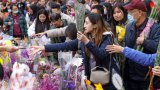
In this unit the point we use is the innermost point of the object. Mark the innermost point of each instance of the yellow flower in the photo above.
(90, 87)
(121, 32)
(156, 67)
(98, 86)
(5, 58)
(5, 54)
(88, 82)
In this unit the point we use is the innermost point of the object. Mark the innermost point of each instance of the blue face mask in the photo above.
(130, 18)
(15, 12)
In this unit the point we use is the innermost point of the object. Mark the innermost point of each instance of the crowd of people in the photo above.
(112, 30)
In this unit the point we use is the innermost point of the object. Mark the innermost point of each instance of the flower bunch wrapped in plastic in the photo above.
(45, 77)
(4, 56)
(94, 86)
(120, 33)
(151, 20)
(14, 57)
(50, 82)
(21, 78)
(156, 2)
(5, 59)
(23, 56)
(45, 67)
(72, 74)
(40, 41)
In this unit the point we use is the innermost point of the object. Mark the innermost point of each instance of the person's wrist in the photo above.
(86, 41)
(122, 49)
(44, 33)
(43, 48)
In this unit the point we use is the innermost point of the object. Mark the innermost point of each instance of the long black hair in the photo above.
(41, 26)
(125, 18)
(108, 17)
(71, 31)
(33, 7)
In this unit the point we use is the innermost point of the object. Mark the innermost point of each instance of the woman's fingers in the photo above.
(36, 49)
(79, 35)
(111, 50)
(34, 52)
(109, 46)
(79, 32)
(114, 49)
(156, 71)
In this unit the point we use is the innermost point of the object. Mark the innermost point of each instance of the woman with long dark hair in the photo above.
(95, 37)
(108, 12)
(119, 21)
(31, 14)
(41, 23)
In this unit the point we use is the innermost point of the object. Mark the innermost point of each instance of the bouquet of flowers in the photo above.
(155, 10)
(49, 82)
(39, 40)
(151, 20)
(5, 60)
(91, 87)
(46, 79)
(71, 70)
(120, 33)
(21, 78)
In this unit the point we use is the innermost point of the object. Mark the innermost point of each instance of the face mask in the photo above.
(130, 17)
(105, 11)
(9, 10)
(15, 12)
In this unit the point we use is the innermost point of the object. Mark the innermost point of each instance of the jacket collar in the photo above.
(108, 33)
(141, 27)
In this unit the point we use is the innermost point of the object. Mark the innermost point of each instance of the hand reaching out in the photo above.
(82, 37)
(37, 49)
(156, 70)
(39, 34)
(140, 40)
(11, 48)
(114, 49)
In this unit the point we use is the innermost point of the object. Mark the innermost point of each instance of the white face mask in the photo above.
(9, 10)
(105, 11)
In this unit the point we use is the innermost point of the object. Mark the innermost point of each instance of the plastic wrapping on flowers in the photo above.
(36, 72)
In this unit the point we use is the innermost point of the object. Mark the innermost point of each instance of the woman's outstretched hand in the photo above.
(39, 34)
(37, 49)
(156, 70)
(82, 37)
(11, 48)
(114, 49)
